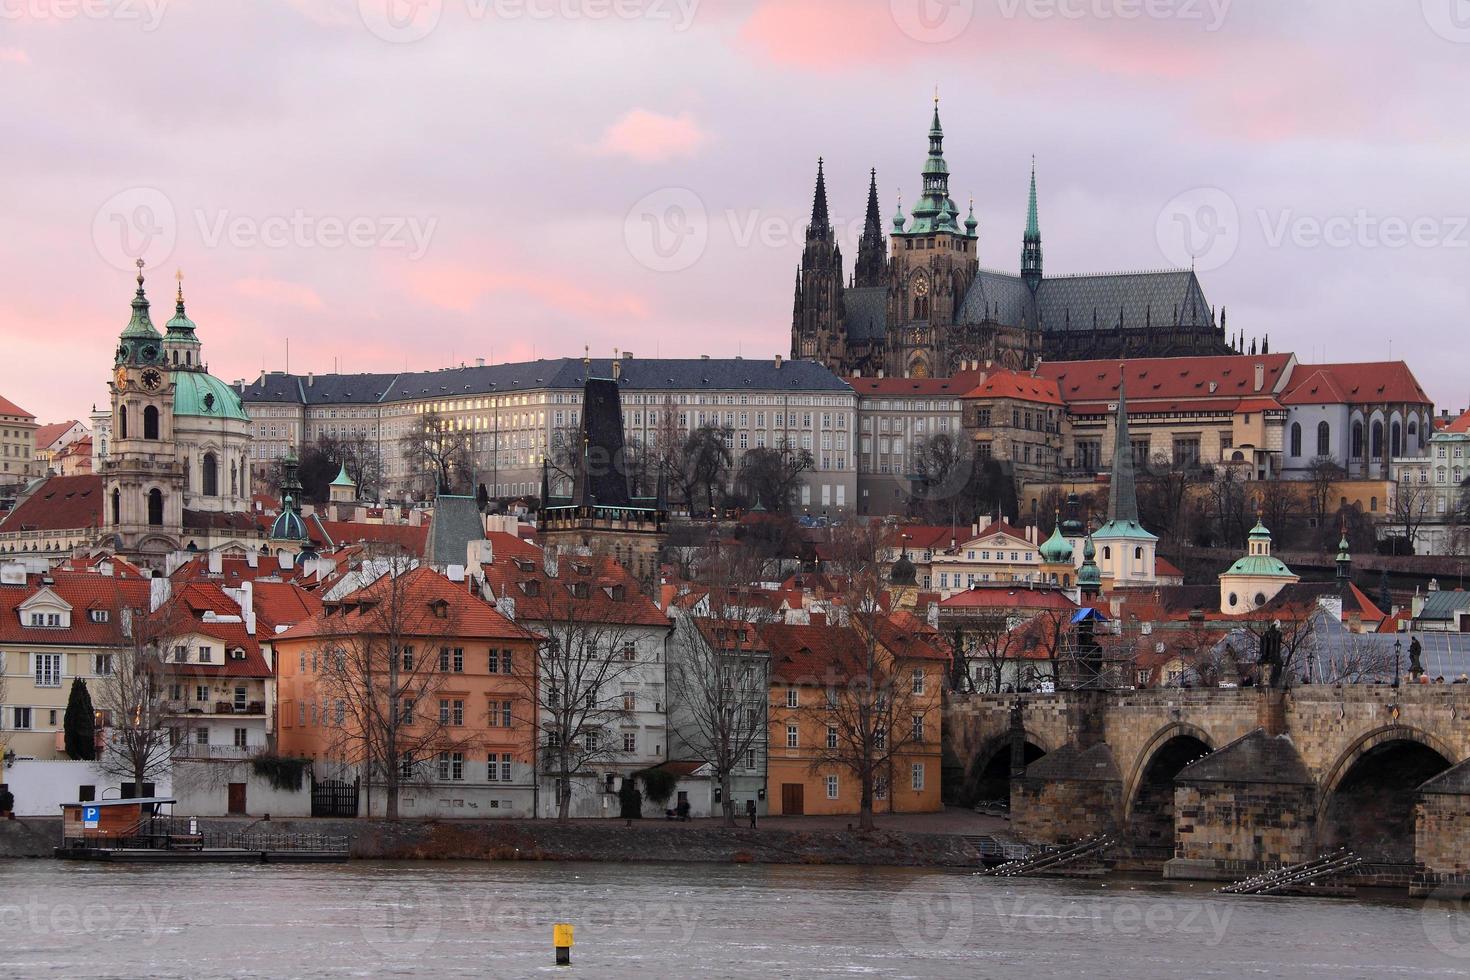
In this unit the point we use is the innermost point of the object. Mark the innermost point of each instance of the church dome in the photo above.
(1055, 550)
(205, 396)
(288, 525)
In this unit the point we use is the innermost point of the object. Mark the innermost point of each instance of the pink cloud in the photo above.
(461, 287)
(279, 291)
(650, 137)
(14, 56)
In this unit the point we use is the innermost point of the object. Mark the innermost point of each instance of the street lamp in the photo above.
(1398, 656)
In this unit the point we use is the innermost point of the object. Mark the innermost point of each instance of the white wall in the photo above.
(42, 785)
(202, 789)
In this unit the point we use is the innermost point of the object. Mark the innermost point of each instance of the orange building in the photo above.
(415, 674)
(815, 762)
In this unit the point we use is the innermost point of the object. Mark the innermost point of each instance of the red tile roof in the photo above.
(1461, 424)
(8, 407)
(917, 387)
(411, 539)
(540, 597)
(1164, 568)
(813, 654)
(1165, 378)
(47, 434)
(61, 503)
(419, 591)
(1368, 383)
(1008, 597)
(1023, 387)
(282, 604)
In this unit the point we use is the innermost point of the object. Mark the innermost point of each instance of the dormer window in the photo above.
(579, 589)
(531, 587)
(98, 615)
(440, 608)
(206, 655)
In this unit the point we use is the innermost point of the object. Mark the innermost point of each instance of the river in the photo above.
(653, 921)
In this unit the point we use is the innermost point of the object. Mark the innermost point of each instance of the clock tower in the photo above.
(143, 506)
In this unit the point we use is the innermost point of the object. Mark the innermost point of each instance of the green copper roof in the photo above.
(204, 396)
(1132, 530)
(935, 211)
(343, 480)
(140, 327)
(1055, 550)
(288, 525)
(1122, 488)
(181, 328)
(1089, 574)
(1033, 226)
(1261, 566)
(1259, 532)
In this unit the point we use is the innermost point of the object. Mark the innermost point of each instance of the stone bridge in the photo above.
(1218, 782)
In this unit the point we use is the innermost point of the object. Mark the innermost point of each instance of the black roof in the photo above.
(565, 373)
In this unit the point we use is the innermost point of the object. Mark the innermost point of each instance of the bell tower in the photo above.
(817, 315)
(142, 478)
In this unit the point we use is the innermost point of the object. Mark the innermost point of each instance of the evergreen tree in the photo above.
(80, 723)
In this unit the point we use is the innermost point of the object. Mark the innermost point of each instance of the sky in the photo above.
(386, 184)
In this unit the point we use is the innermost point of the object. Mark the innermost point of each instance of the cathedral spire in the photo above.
(1122, 490)
(821, 226)
(140, 340)
(935, 210)
(872, 247)
(1031, 240)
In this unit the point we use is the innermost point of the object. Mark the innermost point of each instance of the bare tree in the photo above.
(1227, 502)
(873, 711)
(771, 477)
(588, 650)
(134, 697)
(1357, 658)
(990, 641)
(718, 679)
(705, 468)
(1162, 493)
(1323, 475)
(382, 654)
(1410, 510)
(442, 452)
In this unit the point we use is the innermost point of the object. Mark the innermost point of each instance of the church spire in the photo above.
(821, 226)
(140, 340)
(935, 211)
(1031, 240)
(872, 247)
(1122, 490)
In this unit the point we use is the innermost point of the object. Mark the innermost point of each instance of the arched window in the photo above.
(1107, 553)
(1296, 439)
(116, 506)
(209, 476)
(1373, 504)
(155, 507)
(1138, 554)
(1377, 444)
(150, 422)
(1413, 433)
(1357, 440)
(122, 421)
(1324, 439)
(1396, 441)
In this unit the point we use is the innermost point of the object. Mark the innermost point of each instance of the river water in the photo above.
(492, 920)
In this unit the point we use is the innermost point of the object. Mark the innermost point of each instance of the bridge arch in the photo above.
(989, 774)
(1148, 801)
(1367, 797)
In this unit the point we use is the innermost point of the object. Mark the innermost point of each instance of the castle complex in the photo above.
(918, 304)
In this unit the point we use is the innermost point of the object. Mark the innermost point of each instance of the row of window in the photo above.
(833, 784)
(880, 738)
(46, 668)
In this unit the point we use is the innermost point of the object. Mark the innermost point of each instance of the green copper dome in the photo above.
(1056, 550)
(1089, 574)
(204, 396)
(288, 525)
(343, 480)
(1266, 566)
(140, 342)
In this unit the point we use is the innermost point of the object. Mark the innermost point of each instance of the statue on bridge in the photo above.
(1416, 659)
(1270, 656)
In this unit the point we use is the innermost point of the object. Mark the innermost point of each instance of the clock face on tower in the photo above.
(152, 380)
(921, 286)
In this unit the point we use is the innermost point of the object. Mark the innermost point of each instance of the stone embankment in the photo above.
(492, 840)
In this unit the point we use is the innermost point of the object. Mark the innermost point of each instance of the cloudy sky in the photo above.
(391, 183)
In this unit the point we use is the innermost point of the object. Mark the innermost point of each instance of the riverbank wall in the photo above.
(516, 840)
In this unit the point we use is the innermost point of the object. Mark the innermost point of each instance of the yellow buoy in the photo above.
(561, 938)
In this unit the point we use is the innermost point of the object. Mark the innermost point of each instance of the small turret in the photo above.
(181, 345)
(140, 342)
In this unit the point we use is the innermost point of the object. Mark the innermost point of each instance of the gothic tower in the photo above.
(933, 264)
(816, 320)
(872, 258)
(1031, 241)
(142, 478)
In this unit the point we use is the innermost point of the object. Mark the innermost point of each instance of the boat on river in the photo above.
(145, 830)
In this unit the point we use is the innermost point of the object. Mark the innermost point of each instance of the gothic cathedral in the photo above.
(919, 305)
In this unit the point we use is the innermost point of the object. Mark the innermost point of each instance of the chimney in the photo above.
(627, 355)
(778, 362)
(216, 563)
(310, 379)
(617, 367)
(252, 558)
(247, 606)
(479, 362)
(1260, 376)
(704, 357)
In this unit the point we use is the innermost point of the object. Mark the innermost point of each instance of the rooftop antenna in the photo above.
(288, 355)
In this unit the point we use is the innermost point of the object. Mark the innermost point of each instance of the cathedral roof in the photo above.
(997, 295)
(1141, 297)
(866, 312)
(202, 395)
